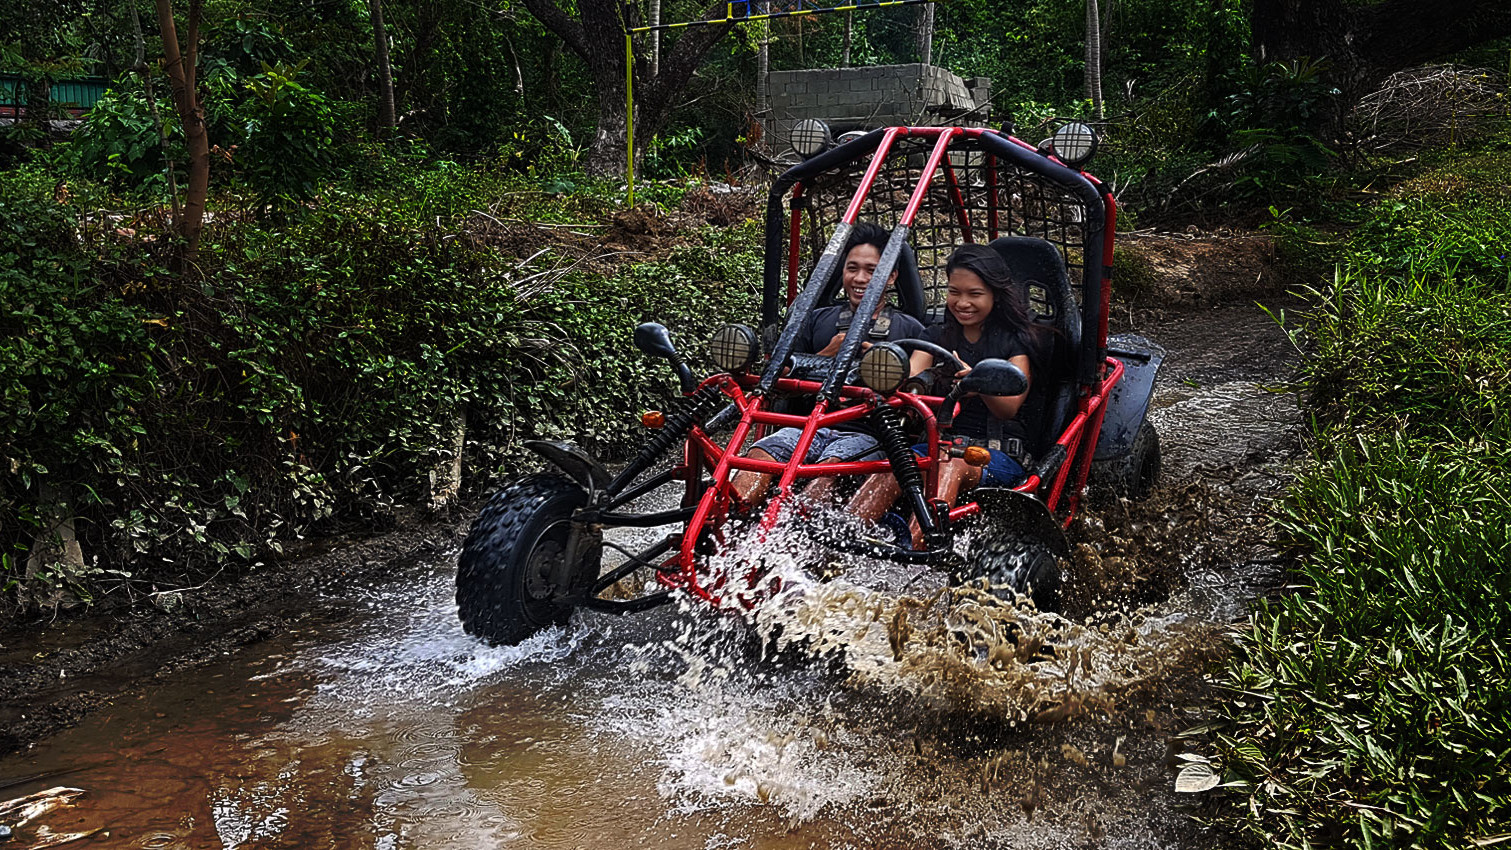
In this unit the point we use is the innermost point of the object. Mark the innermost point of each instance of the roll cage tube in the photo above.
(824, 268)
(1003, 149)
(876, 288)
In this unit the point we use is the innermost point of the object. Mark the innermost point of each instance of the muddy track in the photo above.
(54, 672)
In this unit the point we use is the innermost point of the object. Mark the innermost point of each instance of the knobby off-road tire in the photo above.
(1025, 564)
(504, 587)
(1134, 475)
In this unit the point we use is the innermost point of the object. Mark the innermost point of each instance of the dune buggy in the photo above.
(534, 553)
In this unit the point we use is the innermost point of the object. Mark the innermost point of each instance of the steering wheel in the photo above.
(937, 379)
(912, 345)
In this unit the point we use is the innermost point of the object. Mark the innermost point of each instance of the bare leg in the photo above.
(875, 495)
(818, 489)
(751, 486)
(955, 476)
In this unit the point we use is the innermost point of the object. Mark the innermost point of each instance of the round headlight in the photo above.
(810, 137)
(733, 348)
(846, 138)
(1074, 143)
(884, 367)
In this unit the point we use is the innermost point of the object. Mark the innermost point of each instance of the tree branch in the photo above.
(557, 21)
(191, 72)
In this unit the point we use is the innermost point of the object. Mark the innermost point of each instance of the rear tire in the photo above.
(1134, 475)
(510, 579)
(1025, 564)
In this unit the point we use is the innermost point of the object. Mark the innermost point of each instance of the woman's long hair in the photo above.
(1009, 313)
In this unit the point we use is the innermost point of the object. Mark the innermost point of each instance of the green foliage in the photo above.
(310, 376)
(288, 136)
(1377, 703)
(1374, 705)
(1451, 220)
(120, 142)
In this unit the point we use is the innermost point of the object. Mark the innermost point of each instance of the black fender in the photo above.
(1128, 403)
(575, 462)
(1023, 512)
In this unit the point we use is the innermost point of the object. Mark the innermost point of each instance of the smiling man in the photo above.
(823, 335)
(827, 326)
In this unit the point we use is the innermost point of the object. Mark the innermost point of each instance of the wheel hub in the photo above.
(541, 574)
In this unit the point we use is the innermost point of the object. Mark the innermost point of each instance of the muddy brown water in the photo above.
(378, 723)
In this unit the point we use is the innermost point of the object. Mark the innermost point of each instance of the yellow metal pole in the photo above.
(629, 111)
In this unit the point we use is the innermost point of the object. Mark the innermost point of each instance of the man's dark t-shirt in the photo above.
(974, 420)
(825, 322)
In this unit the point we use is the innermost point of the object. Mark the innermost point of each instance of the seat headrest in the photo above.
(1031, 258)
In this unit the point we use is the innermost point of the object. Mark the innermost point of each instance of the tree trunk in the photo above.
(1094, 58)
(169, 169)
(595, 32)
(55, 544)
(1364, 44)
(926, 33)
(180, 67)
(655, 39)
(387, 113)
(844, 61)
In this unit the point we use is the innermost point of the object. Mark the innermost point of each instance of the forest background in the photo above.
(410, 253)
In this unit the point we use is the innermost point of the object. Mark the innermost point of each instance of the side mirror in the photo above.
(654, 339)
(993, 376)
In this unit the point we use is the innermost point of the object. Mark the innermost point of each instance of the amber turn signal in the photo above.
(976, 456)
(653, 419)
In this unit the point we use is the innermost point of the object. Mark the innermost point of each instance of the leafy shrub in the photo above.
(1452, 221)
(120, 142)
(1377, 705)
(286, 147)
(1374, 705)
(310, 377)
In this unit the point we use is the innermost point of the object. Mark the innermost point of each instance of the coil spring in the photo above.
(697, 408)
(894, 441)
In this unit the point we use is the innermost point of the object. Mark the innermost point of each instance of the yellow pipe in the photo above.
(629, 111)
(772, 16)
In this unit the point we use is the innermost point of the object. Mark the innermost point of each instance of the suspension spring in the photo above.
(695, 410)
(894, 441)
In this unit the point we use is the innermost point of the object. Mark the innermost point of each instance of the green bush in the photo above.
(120, 142)
(1372, 705)
(1451, 222)
(1376, 704)
(286, 146)
(311, 374)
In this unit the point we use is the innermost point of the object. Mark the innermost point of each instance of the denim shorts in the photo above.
(827, 442)
(1001, 471)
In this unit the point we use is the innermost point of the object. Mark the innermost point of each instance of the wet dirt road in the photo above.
(378, 723)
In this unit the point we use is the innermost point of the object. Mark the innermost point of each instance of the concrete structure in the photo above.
(870, 97)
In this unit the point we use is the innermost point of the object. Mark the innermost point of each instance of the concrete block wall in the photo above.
(875, 96)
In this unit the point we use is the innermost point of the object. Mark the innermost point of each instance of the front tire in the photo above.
(511, 577)
(1025, 564)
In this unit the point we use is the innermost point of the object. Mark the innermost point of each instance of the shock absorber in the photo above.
(695, 410)
(894, 442)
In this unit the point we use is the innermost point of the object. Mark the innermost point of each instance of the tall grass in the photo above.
(1372, 702)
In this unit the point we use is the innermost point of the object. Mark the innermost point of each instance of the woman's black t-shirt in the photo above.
(974, 419)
